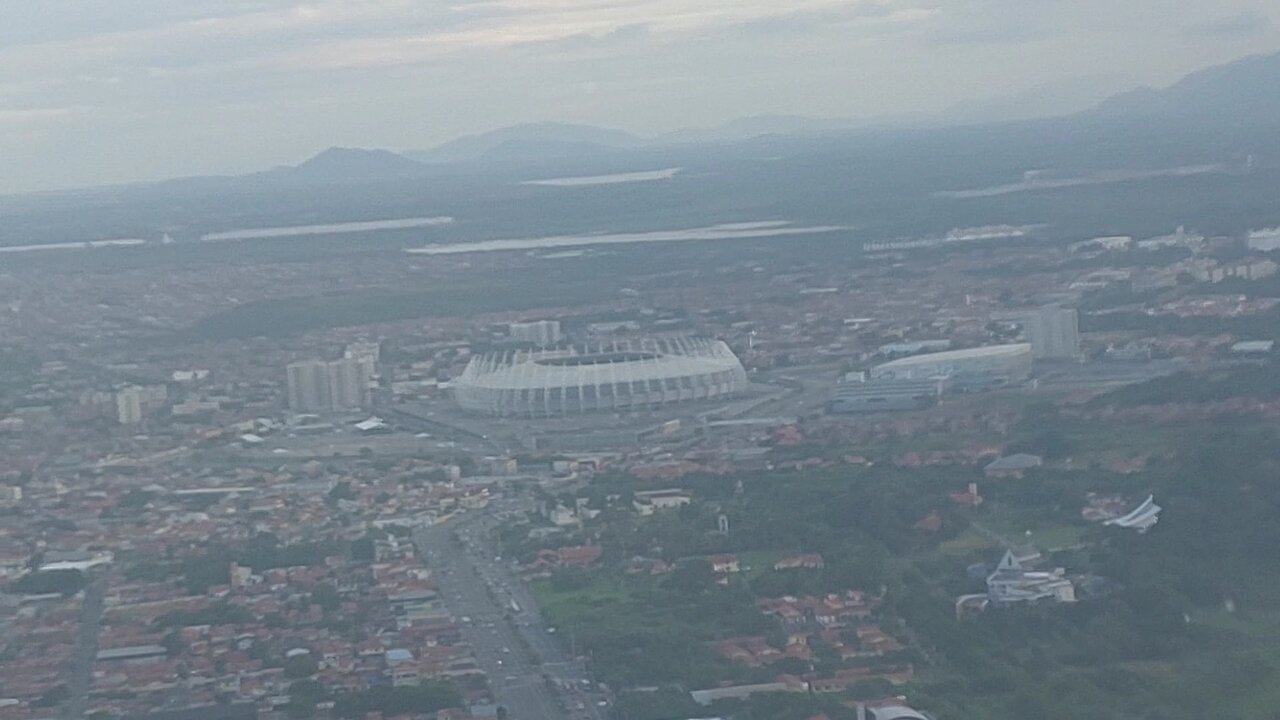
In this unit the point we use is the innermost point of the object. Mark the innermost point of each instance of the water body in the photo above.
(123, 242)
(328, 229)
(645, 176)
(728, 231)
(1102, 178)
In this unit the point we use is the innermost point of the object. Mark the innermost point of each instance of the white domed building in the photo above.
(972, 369)
(615, 376)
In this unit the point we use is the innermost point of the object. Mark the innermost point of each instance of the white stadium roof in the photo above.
(989, 351)
(615, 375)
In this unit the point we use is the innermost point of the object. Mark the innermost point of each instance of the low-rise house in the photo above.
(967, 498)
(725, 564)
(1015, 465)
(808, 561)
(649, 501)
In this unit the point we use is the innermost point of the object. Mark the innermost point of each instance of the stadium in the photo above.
(616, 376)
(965, 370)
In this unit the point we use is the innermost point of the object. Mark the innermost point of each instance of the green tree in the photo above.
(63, 582)
(326, 596)
(363, 550)
(300, 666)
(341, 491)
(691, 577)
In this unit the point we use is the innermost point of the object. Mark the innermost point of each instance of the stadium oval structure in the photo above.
(967, 370)
(615, 376)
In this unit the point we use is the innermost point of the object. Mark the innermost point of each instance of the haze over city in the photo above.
(103, 93)
(639, 360)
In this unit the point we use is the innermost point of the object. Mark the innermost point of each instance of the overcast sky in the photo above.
(103, 91)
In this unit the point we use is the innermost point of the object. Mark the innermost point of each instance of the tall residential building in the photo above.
(1054, 333)
(543, 333)
(349, 383)
(319, 386)
(129, 406)
(308, 386)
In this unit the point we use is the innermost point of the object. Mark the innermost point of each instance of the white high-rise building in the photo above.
(1054, 333)
(349, 383)
(308, 386)
(129, 406)
(337, 386)
(543, 333)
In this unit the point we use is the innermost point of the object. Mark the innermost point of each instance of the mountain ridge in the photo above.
(1241, 93)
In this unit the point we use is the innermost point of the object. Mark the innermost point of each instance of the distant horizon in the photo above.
(95, 93)
(951, 117)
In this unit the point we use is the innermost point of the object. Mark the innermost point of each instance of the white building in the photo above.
(616, 376)
(965, 370)
(1111, 242)
(646, 502)
(129, 406)
(543, 333)
(1179, 238)
(10, 494)
(371, 351)
(1265, 240)
(1012, 583)
(337, 386)
(1142, 518)
(1244, 270)
(308, 383)
(349, 384)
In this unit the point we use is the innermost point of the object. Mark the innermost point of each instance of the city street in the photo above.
(80, 675)
(529, 673)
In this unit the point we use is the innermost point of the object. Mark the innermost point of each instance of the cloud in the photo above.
(264, 81)
(31, 116)
(1231, 26)
(551, 22)
(879, 18)
(995, 22)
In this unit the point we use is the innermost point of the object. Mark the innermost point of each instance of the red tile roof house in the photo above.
(968, 497)
(571, 556)
(852, 676)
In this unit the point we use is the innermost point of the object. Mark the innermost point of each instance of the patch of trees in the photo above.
(1253, 381)
(62, 582)
(1260, 325)
(219, 613)
(300, 667)
(422, 699)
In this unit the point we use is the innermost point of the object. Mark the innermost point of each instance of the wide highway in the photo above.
(529, 673)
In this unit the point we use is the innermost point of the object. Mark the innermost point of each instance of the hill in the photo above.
(1241, 93)
(352, 165)
(533, 139)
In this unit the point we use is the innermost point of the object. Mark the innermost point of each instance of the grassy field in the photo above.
(967, 543)
(754, 564)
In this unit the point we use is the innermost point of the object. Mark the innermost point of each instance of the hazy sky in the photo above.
(98, 91)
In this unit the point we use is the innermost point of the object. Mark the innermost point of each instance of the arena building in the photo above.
(968, 370)
(616, 375)
(867, 396)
